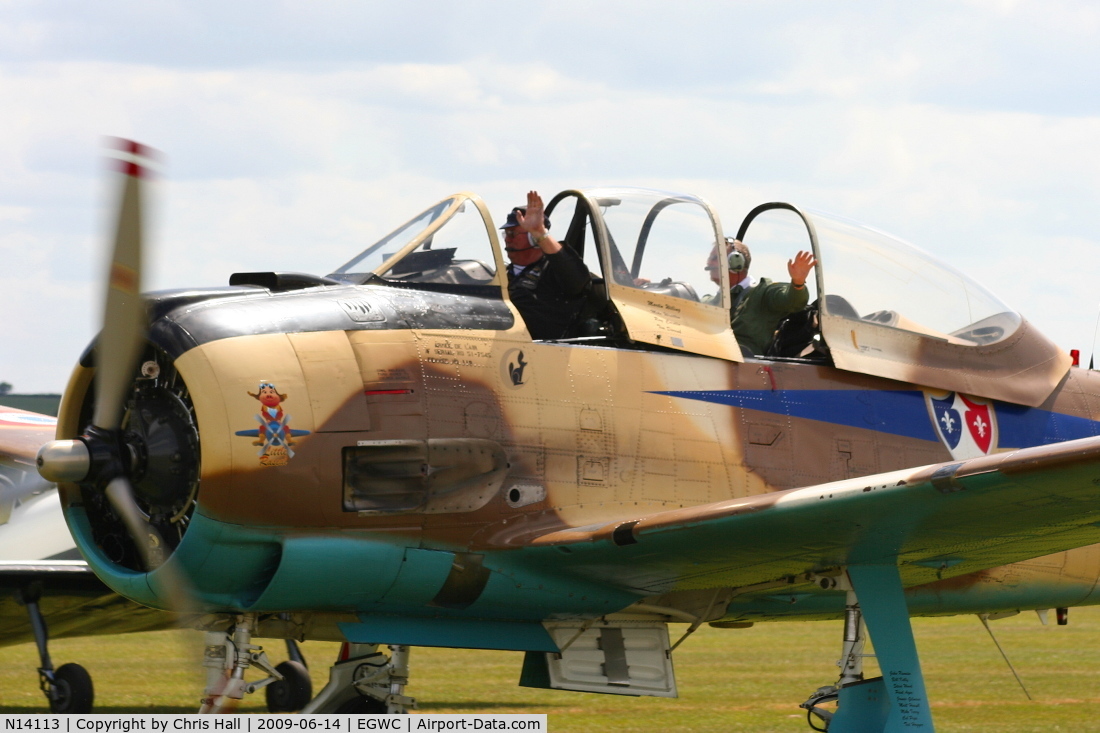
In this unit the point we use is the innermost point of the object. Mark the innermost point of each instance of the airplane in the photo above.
(383, 456)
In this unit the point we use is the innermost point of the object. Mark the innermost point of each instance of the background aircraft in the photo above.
(383, 455)
(48, 589)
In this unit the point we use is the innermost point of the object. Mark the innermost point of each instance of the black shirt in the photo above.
(550, 292)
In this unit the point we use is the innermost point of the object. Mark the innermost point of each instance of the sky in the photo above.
(295, 133)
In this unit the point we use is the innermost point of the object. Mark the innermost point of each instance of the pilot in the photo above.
(547, 282)
(758, 307)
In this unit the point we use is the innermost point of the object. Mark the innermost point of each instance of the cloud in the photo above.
(296, 136)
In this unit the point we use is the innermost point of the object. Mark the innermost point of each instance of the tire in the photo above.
(293, 692)
(363, 706)
(75, 693)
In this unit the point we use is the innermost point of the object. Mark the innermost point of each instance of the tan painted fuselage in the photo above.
(590, 434)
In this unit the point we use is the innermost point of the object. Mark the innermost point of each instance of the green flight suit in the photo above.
(761, 308)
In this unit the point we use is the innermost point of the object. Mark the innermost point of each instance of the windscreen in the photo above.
(366, 262)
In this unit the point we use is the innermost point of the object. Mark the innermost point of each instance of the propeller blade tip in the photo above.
(132, 158)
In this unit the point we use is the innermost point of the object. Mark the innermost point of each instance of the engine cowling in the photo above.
(158, 447)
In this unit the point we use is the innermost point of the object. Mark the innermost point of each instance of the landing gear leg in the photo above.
(898, 700)
(850, 663)
(227, 657)
(69, 687)
(294, 653)
(365, 680)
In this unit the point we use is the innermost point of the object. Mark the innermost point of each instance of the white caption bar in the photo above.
(153, 723)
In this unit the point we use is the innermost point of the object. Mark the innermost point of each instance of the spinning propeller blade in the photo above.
(114, 458)
(121, 495)
(101, 456)
(117, 352)
(171, 581)
(124, 321)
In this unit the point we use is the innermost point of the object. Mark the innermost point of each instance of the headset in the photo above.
(736, 261)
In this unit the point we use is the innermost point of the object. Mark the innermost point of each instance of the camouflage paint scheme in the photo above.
(652, 474)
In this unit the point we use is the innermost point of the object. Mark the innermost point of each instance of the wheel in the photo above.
(363, 706)
(291, 693)
(74, 690)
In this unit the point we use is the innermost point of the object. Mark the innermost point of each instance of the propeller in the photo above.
(102, 456)
(132, 435)
(119, 342)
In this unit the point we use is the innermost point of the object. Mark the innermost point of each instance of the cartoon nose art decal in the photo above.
(274, 436)
(966, 425)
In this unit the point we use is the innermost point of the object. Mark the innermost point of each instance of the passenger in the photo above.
(547, 282)
(758, 307)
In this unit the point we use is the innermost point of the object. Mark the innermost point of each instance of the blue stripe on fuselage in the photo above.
(1025, 426)
(896, 412)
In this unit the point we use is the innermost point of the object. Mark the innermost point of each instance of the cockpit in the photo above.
(870, 276)
(877, 305)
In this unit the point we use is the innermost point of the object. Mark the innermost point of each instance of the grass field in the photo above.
(730, 680)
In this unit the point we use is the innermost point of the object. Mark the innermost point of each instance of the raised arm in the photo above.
(533, 222)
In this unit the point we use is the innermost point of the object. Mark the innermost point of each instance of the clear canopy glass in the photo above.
(454, 248)
(774, 238)
(658, 241)
(366, 262)
(874, 277)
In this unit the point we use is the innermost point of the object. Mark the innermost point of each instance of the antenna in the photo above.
(984, 618)
(1092, 354)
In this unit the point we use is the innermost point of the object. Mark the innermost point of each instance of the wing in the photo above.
(73, 600)
(22, 433)
(936, 521)
(31, 524)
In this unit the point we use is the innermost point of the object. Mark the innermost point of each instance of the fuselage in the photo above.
(302, 505)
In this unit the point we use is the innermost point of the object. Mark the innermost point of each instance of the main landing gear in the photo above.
(69, 687)
(897, 700)
(229, 654)
(365, 680)
(851, 668)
